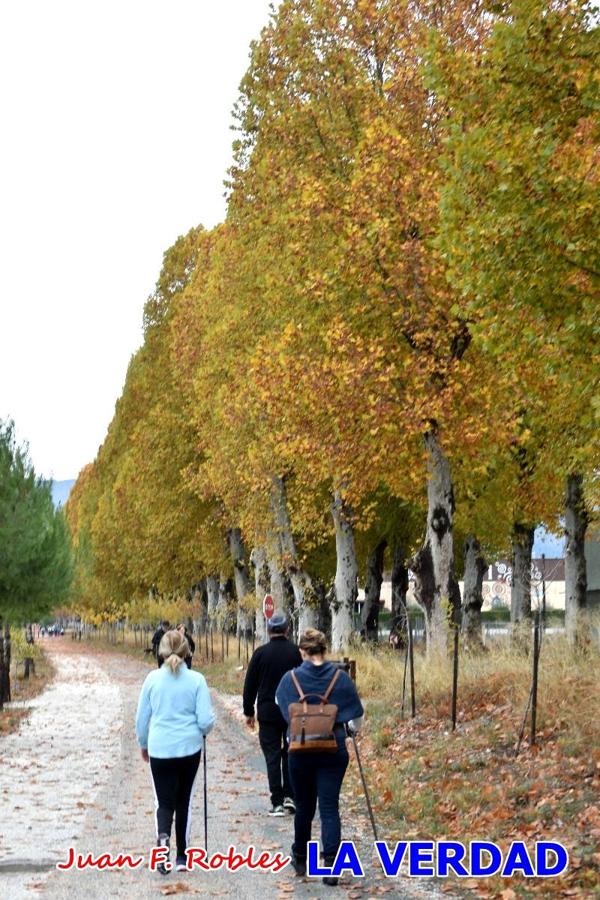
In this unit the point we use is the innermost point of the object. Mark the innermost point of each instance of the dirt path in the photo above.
(73, 776)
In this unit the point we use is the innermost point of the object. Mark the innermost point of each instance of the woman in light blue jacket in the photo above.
(174, 712)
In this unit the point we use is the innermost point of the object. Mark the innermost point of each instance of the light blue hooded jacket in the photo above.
(173, 713)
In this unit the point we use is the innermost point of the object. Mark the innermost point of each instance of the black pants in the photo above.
(173, 784)
(273, 743)
(318, 776)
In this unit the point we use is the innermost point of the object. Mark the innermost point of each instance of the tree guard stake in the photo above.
(455, 678)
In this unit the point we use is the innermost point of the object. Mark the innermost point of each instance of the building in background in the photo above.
(497, 585)
(592, 558)
(548, 573)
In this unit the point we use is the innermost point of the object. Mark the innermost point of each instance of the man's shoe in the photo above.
(289, 804)
(298, 865)
(163, 841)
(277, 811)
(181, 864)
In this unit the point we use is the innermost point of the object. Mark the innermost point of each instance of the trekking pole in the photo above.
(364, 784)
(205, 796)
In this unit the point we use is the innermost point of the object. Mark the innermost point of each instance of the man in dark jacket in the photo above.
(267, 667)
(157, 638)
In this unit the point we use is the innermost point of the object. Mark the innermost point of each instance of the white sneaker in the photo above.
(277, 811)
(289, 804)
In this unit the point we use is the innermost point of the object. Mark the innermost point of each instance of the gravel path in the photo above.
(73, 776)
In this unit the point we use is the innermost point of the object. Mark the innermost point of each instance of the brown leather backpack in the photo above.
(312, 724)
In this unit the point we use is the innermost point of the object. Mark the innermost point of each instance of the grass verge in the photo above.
(25, 689)
(431, 783)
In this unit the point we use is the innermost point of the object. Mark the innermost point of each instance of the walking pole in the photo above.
(205, 796)
(364, 784)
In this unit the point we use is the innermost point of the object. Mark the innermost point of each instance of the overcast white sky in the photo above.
(116, 138)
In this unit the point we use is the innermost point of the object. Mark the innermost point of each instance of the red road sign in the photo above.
(268, 606)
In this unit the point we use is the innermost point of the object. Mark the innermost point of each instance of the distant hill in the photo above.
(61, 490)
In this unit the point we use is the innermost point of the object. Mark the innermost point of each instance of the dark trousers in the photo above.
(273, 743)
(318, 776)
(173, 783)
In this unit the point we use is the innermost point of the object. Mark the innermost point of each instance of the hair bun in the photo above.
(313, 642)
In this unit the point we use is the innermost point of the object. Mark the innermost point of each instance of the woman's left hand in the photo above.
(145, 756)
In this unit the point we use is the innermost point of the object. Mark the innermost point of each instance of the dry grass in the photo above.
(499, 676)
(430, 783)
(25, 689)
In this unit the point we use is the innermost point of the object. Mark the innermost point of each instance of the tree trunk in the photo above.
(223, 613)
(242, 581)
(2, 666)
(258, 559)
(200, 600)
(475, 569)
(212, 596)
(424, 589)
(345, 589)
(5, 682)
(276, 573)
(323, 607)
(520, 595)
(399, 627)
(434, 563)
(305, 597)
(369, 616)
(576, 522)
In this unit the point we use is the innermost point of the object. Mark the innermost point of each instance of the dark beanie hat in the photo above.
(278, 623)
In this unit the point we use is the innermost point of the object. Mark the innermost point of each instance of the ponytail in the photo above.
(173, 648)
(173, 662)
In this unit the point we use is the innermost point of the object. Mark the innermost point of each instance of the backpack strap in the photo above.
(332, 684)
(297, 685)
(324, 696)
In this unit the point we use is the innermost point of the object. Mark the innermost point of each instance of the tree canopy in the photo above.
(35, 553)
(393, 335)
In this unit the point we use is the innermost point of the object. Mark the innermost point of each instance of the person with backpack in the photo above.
(265, 669)
(321, 705)
(174, 714)
(157, 637)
